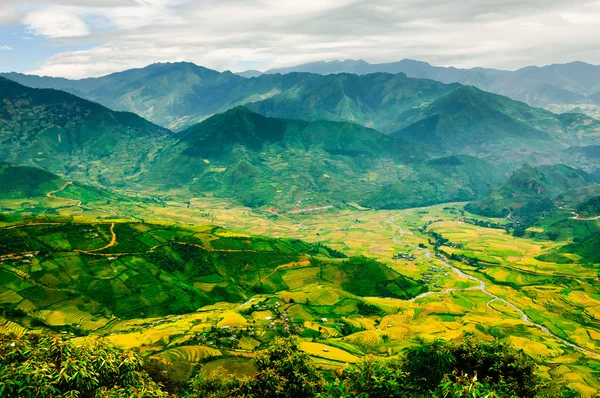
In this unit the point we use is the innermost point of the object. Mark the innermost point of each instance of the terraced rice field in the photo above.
(195, 354)
(328, 352)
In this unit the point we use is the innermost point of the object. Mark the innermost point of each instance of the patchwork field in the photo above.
(484, 283)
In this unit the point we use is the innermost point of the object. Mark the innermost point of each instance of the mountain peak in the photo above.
(218, 134)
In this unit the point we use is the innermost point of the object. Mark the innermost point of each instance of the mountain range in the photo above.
(260, 161)
(178, 95)
(301, 140)
(71, 136)
(557, 87)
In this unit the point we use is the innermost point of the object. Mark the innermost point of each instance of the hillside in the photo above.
(530, 191)
(291, 164)
(589, 208)
(70, 136)
(132, 270)
(498, 129)
(26, 182)
(558, 87)
(178, 95)
(381, 101)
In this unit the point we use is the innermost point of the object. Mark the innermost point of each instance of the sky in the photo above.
(86, 38)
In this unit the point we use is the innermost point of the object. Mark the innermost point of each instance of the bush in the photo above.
(283, 371)
(51, 366)
(371, 378)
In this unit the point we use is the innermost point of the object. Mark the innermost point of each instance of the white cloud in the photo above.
(55, 22)
(230, 34)
(5, 48)
(9, 15)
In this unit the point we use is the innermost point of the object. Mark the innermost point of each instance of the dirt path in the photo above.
(582, 218)
(483, 288)
(113, 242)
(62, 188)
(52, 195)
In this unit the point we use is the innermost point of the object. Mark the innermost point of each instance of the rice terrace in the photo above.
(307, 215)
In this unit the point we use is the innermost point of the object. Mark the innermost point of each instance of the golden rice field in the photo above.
(568, 307)
(327, 352)
(195, 354)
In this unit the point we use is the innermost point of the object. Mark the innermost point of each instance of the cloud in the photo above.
(232, 33)
(55, 22)
(9, 15)
(5, 48)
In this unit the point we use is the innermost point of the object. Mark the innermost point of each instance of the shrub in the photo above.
(51, 366)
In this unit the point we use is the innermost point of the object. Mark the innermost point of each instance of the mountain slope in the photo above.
(20, 182)
(530, 191)
(65, 134)
(179, 95)
(291, 164)
(498, 129)
(560, 87)
(161, 270)
(381, 101)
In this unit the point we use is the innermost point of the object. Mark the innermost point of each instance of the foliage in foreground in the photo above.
(429, 369)
(52, 366)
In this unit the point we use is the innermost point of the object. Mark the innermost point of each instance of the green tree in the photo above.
(284, 371)
(463, 386)
(51, 366)
(427, 363)
(370, 378)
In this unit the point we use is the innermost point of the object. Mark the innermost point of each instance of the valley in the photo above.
(363, 218)
(542, 307)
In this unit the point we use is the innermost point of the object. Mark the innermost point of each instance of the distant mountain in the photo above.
(552, 86)
(70, 136)
(530, 191)
(381, 101)
(291, 164)
(249, 73)
(500, 130)
(587, 157)
(179, 95)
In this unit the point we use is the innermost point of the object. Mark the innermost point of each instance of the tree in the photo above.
(51, 366)
(370, 378)
(284, 371)
(427, 363)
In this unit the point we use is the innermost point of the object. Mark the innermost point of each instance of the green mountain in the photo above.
(20, 182)
(498, 129)
(67, 135)
(129, 270)
(292, 164)
(460, 120)
(590, 208)
(558, 87)
(381, 101)
(530, 191)
(178, 95)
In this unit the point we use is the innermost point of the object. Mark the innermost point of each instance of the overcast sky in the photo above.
(81, 38)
